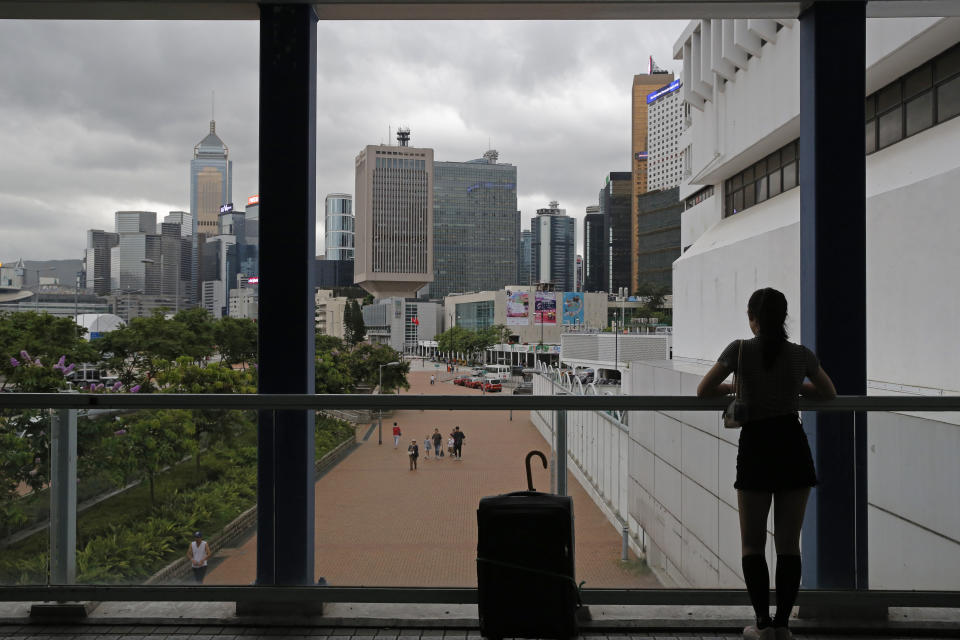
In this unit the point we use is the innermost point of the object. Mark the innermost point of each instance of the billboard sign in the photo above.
(518, 308)
(662, 91)
(253, 200)
(546, 307)
(226, 208)
(573, 307)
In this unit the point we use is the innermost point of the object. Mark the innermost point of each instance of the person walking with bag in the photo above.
(774, 463)
(396, 435)
(437, 443)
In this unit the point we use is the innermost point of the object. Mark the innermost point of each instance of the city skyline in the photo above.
(83, 144)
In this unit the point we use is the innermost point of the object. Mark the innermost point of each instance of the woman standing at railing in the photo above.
(774, 463)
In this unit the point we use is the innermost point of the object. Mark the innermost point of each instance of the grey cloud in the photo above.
(101, 115)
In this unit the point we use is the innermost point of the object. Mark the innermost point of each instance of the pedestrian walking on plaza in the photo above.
(774, 463)
(458, 438)
(438, 443)
(396, 435)
(414, 453)
(427, 445)
(199, 553)
(433, 379)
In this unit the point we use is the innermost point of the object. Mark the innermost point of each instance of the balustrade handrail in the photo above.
(277, 401)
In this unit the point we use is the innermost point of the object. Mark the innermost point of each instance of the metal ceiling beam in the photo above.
(453, 9)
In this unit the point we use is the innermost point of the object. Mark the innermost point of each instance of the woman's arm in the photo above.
(713, 383)
(820, 386)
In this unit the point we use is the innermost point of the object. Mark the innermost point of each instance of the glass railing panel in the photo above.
(24, 496)
(150, 479)
(913, 483)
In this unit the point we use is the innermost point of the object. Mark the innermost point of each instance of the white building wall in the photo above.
(912, 313)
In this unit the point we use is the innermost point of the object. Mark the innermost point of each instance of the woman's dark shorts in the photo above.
(774, 456)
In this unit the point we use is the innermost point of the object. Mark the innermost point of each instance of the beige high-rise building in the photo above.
(643, 84)
(394, 218)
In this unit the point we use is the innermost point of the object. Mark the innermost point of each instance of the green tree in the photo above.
(198, 337)
(37, 351)
(354, 328)
(151, 441)
(236, 340)
(210, 426)
(44, 337)
(365, 361)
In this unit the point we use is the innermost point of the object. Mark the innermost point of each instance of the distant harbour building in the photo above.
(553, 248)
(97, 260)
(394, 218)
(137, 250)
(476, 225)
(338, 223)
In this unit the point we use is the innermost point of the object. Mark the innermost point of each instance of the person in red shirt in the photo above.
(396, 435)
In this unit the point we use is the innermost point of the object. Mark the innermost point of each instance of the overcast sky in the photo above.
(97, 117)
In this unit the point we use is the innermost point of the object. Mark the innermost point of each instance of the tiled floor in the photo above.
(225, 632)
(380, 524)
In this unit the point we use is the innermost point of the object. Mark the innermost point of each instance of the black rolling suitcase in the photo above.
(525, 564)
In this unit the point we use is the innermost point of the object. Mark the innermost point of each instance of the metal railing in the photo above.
(278, 593)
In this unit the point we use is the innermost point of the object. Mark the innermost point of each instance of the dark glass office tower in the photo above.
(615, 205)
(658, 228)
(476, 226)
(595, 250)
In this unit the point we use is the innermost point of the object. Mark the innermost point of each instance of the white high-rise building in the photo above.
(665, 114)
(394, 218)
(338, 223)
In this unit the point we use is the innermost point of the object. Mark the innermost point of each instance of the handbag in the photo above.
(736, 413)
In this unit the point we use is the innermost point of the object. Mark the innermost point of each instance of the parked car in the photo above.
(474, 382)
(492, 386)
(461, 380)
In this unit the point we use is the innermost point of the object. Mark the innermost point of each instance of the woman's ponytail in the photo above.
(769, 308)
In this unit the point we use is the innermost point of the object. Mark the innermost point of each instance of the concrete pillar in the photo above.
(288, 71)
(833, 283)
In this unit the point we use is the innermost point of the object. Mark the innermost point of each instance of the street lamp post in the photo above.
(76, 300)
(380, 390)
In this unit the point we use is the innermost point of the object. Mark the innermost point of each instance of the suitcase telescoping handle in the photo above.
(543, 459)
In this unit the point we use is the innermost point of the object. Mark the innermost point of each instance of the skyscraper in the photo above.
(615, 204)
(97, 260)
(211, 181)
(526, 255)
(476, 226)
(211, 186)
(595, 249)
(394, 217)
(338, 226)
(643, 85)
(183, 287)
(553, 249)
(665, 124)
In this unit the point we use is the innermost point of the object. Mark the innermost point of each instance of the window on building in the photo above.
(762, 180)
(927, 95)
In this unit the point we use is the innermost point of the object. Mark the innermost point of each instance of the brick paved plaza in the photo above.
(380, 524)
